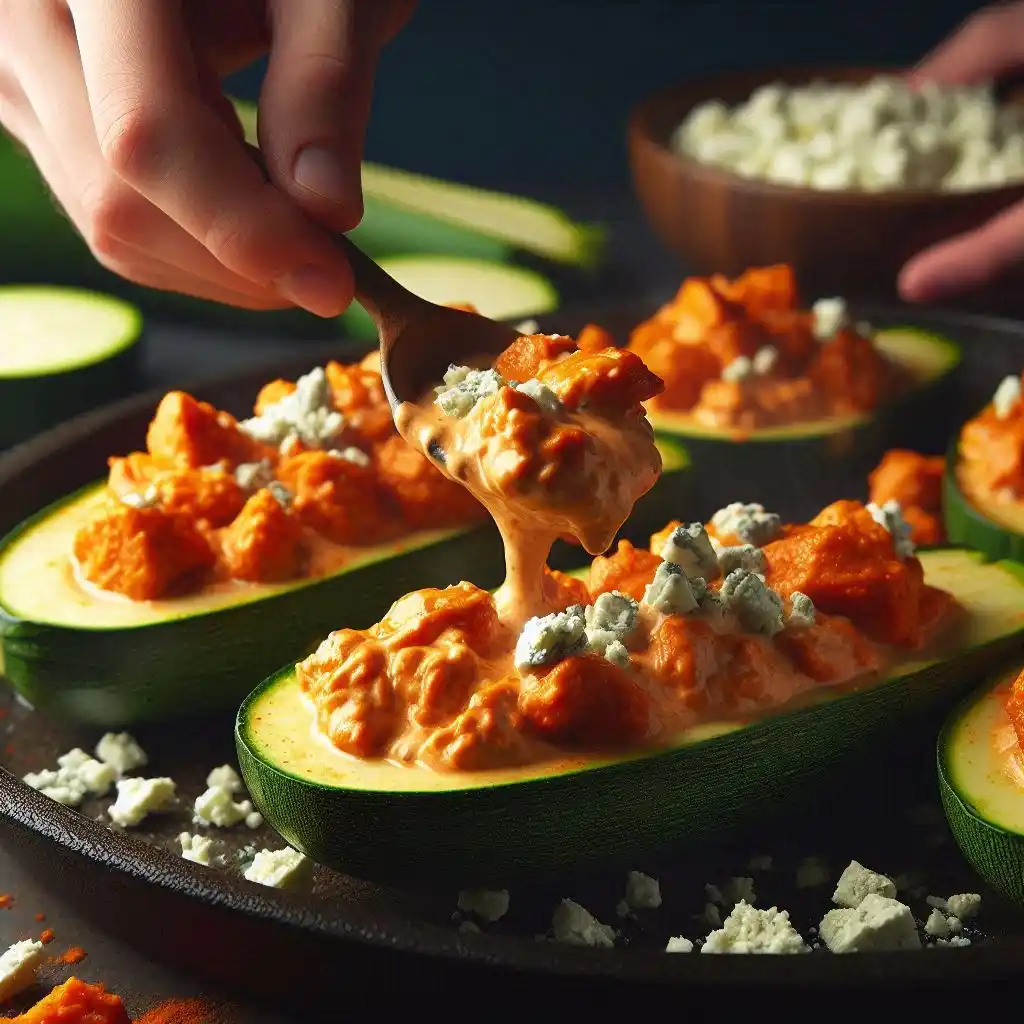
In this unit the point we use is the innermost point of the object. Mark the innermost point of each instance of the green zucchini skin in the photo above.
(116, 678)
(612, 813)
(995, 853)
(968, 527)
(778, 470)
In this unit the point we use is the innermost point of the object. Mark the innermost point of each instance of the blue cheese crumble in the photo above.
(670, 592)
(742, 556)
(830, 317)
(1007, 397)
(305, 415)
(749, 930)
(254, 476)
(765, 360)
(679, 944)
(576, 926)
(549, 638)
(548, 401)
(18, 967)
(757, 607)
(122, 751)
(196, 849)
(281, 494)
(137, 798)
(879, 924)
(890, 516)
(77, 774)
(801, 611)
(350, 454)
(750, 523)
(281, 869)
(464, 387)
(691, 549)
(642, 891)
(609, 620)
(857, 882)
(739, 370)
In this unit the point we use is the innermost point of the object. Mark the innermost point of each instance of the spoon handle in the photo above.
(378, 292)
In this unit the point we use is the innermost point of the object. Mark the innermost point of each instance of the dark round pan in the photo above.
(297, 948)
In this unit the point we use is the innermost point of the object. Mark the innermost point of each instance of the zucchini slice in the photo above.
(111, 662)
(998, 531)
(404, 212)
(829, 452)
(981, 779)
(382, 821)
(63, 351)
(497, 290)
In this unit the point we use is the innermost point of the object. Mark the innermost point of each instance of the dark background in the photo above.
(536, 92)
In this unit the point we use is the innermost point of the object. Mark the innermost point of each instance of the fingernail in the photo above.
(315, 288)
(323, 172)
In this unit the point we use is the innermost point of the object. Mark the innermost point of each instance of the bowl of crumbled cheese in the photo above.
(842, 173)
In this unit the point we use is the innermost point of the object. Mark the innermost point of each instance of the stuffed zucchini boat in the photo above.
(981, 778)
(237, 542)
(984, 486)
(788, 393)
(568, 719)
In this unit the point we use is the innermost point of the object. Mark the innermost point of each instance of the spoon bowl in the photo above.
(419, 340)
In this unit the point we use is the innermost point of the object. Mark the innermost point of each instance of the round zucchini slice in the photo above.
(998, 530)
(393, 823)
(768, 462)
(106, 661)
(63, 351)
(981, 778)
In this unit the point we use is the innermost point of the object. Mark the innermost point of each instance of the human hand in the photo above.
(119, 103)
(988, 46)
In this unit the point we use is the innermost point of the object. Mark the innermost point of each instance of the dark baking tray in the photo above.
(213, 923)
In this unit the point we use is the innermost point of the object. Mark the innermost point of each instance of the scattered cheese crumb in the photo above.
(830, 317)
(576, 926)
(878, 924)
(307, 414)
(1007, 397)
(679, 944)
(224, 777)
(690, 548)
(749, 930)
(642, 891)
(549, 638)
(487, 904)
(670, 592)
(253, 819)
(937, 926)
(122, 751)
(18, 966)
(280, 869)
(464, 387)
(195, 848)
(956, 941)
(216, 806)
(857, 881)
(137, 798)
(964, 905)
(548, 401)
(890, 516)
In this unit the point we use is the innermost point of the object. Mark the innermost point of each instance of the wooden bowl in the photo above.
(839, 243)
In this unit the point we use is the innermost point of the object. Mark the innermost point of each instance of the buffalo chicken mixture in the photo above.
(990, 470)
(742, 355)
(914, 483)
(317, 473)
(726, 618)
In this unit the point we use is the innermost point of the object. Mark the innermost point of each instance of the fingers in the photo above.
(315, 102)
(119, 225)
(966, 262)
(157, 133)
(986, 46)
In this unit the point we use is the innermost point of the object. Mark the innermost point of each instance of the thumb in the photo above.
(986, 46)
(966, 262)
(315, 101)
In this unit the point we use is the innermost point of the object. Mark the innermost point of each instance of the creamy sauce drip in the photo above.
(620, 463)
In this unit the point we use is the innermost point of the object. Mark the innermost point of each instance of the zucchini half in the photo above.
(772, 461)
(399, 824)
(62, 351)
(114, 663)
(996, 531)
(984, 803)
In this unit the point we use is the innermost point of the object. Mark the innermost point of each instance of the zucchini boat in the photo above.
(495, 290)
(829, 451)
(981, 778)
(63, 351)
(378, 820)
(983, 496)
(115, 663)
